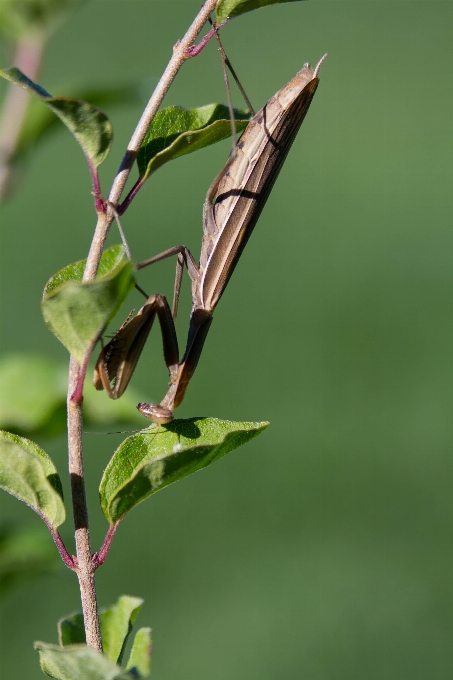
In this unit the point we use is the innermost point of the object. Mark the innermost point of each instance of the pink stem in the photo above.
(100, 557)
(131, 195)
(194, 50)
(178, 58)
(77, 395)
(99, 203)
(70, 562)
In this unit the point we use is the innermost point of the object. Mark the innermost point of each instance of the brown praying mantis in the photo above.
(231, 210)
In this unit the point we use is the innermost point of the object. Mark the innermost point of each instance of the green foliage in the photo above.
(26, 554)
(116, 625)
(77, 312)
(71, 630)
(33, 398)
(20, 17)
(74, 272)
(40, 120)
(232, 8)
(91, 128)
(176, 131)
(140, 656)
(147, 462)
(78, 662)
(28, 473)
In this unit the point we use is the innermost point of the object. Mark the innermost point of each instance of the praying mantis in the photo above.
(233, 204)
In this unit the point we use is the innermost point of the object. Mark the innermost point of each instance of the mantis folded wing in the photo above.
(231, 210)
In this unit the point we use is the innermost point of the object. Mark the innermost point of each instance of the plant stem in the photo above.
(180, 54)
(85, 568)
(28, 58)
(85, 562)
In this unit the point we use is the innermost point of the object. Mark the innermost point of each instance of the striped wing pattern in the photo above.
(245, 187)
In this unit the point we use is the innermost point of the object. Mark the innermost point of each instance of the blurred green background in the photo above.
(323, 550)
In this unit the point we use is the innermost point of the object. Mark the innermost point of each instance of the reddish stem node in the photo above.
(194, 50)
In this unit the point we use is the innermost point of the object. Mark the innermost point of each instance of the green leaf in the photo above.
(40, 121)
(26, 554)
(33, 398)
(148, 462)
(91, 128)
(116, 624)
(176, 131)
(140, 656)
(78, 662)
(28, 473)
(71, 630)
(19, 17)
(74, 272)
(77, 312)
(232, 8)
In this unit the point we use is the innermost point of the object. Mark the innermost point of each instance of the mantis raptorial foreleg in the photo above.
(200, 322)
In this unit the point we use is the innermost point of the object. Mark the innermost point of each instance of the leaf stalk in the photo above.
(100, 557)
(69, 561)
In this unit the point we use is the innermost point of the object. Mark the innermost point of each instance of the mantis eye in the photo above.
(155, 412)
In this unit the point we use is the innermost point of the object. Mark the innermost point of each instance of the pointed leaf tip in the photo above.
(149, 461)
(40, 121)
(90, 127)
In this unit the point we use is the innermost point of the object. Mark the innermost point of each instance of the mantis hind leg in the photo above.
(186, 258)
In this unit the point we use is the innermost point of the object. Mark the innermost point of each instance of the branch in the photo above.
(181, 52)
(85, 563)
(85, 569)
(28, 58)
